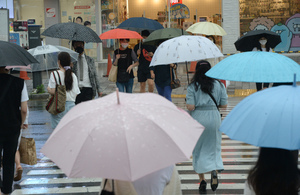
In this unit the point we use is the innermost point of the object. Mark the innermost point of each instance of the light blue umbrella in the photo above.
(269, 118)
(256, 66)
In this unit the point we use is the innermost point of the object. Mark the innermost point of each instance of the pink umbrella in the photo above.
(122, 138)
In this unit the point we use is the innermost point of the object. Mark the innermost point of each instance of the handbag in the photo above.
(27, 151)
(113, 73)
(175, 83)
(56, 103)
(105, 192)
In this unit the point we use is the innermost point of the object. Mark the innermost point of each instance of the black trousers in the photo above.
(8, 145)
(86, 94)
(259, 86)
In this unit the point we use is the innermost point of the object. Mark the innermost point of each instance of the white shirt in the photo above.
(263, 49)
(71, 95)
(86, 79)
(154, 183)
(24, 96)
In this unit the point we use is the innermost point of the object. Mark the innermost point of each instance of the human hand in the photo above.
(118, 56)
(150, 54)
(129, 68)
(24, 126)
(138, 52)
(152, 75)
(100, 94)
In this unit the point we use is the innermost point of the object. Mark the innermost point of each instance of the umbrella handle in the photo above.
(117, 92)
(187, 74)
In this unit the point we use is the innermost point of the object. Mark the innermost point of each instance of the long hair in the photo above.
(259, 46)
(200, 79)
(65, 62)
(275, 173)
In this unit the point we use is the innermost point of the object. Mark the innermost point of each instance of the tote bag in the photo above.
(57, 102)
(27, 151)
(113, 73)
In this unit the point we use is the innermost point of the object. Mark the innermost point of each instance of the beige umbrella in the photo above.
(206, 28)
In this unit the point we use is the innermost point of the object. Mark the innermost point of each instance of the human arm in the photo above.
(224, 97)
(190, 98)
(136, 62)
(51, 85)
(95, 75)
(23, 110)
(116, 59)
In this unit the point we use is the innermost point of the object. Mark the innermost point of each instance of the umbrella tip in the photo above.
(117, 91)
(294, 83)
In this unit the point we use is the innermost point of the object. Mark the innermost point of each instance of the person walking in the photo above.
(262, 46)
(68, 79)
(13, 110)
(204, 96)
(162, 78)
(123, 58)
(86, 72)
(276, 172)
(145, 53)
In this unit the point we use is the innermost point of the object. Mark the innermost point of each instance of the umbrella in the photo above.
(120, 34)
(72, 31)
(14, 55)
(256, 66)
(139, 24)
(269, 118)
(164, 34)
(206, 28)
(185, 48)
(251, 40)
(130, 139)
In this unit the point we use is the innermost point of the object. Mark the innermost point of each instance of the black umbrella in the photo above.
(72, 31)
(139, 24)
(251, 40)
(14, 55)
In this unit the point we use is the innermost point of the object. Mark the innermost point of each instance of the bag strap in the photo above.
(212, 97)
(58, 77)
(171, 73)
(113, 187)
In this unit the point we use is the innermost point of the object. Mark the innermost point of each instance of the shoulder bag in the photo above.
(57, 102)
(175, 83)
(212, 97)
(113, 73)
(105, 192)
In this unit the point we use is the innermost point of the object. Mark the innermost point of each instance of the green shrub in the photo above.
(40, 89)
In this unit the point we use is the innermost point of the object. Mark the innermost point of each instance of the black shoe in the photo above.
(214, 182)
(202, 187)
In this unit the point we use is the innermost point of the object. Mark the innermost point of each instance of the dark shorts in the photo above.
(143, 76)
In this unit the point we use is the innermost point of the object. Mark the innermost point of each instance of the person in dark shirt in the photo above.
(145, 53)
(13, 96)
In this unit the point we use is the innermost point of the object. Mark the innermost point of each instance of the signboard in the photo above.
(179, 11)
(20, 25)
(14, 38)
(173, 2)
(4, 23)
(50, 12)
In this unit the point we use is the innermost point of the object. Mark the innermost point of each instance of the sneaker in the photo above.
(214, 182)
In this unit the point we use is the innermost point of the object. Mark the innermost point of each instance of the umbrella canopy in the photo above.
(47, 56)
(14, 55)
(256, 66)
(251, 40)
(140, 135)
(72, 31)
(206, 28)
(184, 49)
(120, 34)
(139, 24)
(269, 118)
(164, 34)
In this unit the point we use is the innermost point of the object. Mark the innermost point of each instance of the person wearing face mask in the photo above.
(262, 46)
(126, 60)
(86, 73)
(145, 53)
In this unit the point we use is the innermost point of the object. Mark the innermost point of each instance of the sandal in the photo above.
(18, 175)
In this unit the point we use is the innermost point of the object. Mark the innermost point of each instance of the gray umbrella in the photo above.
(72, 31)
(14, 55)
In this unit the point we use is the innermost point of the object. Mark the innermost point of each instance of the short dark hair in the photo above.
(87, 23)
(79, 18)
(125, 39)
(73, 42)
(145, 33)
(211, 36)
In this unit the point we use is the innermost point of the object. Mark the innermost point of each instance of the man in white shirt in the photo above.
(86, 73)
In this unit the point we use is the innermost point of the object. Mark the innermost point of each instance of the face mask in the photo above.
(79, 50)
(124, 45)
(263, 42)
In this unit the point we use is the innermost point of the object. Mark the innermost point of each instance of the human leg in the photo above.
(10, 143)
(120, 86)
(160, 90)
(142, 78)
(19, 169)
(203, 184)
(266, 85)
(86, 94)
(129, 85)
(150, 85)
(258, 86)
(142, 87)
(168, 92)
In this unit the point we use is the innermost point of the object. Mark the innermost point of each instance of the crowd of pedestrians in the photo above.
(276, 171)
